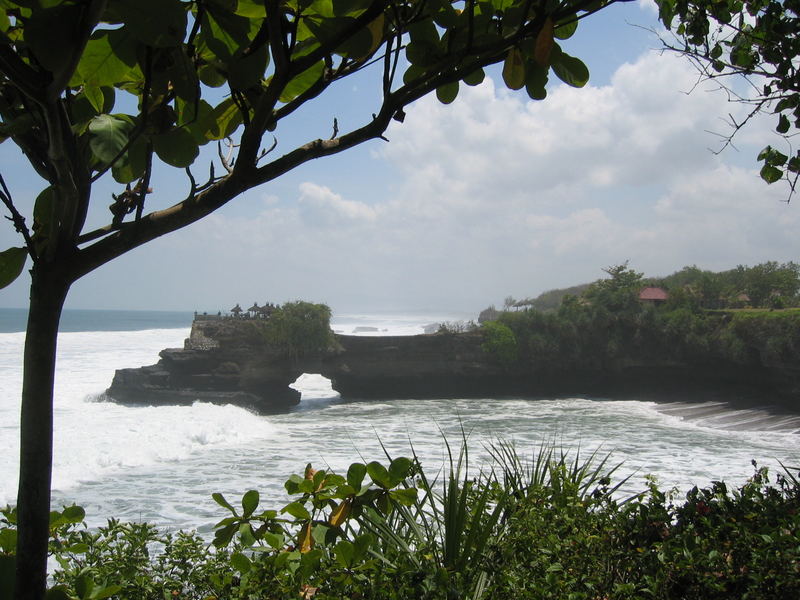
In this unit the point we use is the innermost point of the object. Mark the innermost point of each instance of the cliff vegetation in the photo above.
(746, 316)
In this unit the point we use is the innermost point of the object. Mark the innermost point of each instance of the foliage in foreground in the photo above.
(551, 527)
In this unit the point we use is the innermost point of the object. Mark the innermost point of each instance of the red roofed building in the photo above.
(656, 295)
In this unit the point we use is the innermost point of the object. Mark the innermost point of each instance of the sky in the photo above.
(491, 196)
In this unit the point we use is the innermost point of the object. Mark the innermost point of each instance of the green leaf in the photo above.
(220, 499)
(74, 514)
(106, 592)
(223, 34)
(475, 78)
(251, 9)
(357, 45)
(422, 53)
(274, 540)
(379, 474)
(95, 97)
(405, 496)
(344, 552)
(245, 72)
(783, 124)
(44, 219)
(771, 156)
(445, 16)
(183, 75)
(177, 147)
(567, 29)
(412, 73)
(770, 173)
(58, 592)
(250, 502)
(17, 125)
(52, 33)
(132, 164)
(157, 23)
(399, 469)
(570, 70)
(109, 59)
(345, 8)
(240, 562)
(211, 76)
(535, 81)
(84, 585)
(514, 69)
(8, 541)
(12, 261)
(223, 536)
(447, 93)
(382, 503)
(297, 510)
(109, 135)
(424, 30)
(302, 82)
(355, 475)
(246, 536)
(362, 544)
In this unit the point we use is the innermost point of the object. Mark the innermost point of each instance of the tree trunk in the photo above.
(48, 291)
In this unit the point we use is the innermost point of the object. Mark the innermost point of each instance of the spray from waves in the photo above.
(96, 440)
(393, 324)
(125, 437)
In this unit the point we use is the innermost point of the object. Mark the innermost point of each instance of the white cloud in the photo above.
(328, 208)
(649, 5)
(499, 195)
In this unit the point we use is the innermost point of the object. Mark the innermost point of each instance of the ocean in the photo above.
(161, 464)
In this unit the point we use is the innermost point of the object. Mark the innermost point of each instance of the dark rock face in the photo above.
(228, 361)
(223, 361)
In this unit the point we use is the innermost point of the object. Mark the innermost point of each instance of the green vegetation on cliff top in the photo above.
(700, 322)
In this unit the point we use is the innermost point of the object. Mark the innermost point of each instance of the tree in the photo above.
(300, 328)
(619, 293)
(764, 281)
(94, 90)
(752, 39)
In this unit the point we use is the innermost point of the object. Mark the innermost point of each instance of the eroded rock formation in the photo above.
(230, 361)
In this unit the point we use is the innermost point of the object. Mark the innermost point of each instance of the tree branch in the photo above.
(222, 191)
(17, 219)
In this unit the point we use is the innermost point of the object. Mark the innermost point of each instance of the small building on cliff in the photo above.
(653, 295)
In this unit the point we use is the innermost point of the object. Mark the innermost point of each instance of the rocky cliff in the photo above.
(230, 361)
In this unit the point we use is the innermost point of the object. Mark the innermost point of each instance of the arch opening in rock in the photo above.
(314, 386)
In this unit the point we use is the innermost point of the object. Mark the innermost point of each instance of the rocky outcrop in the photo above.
(230, 361)
(223, 361)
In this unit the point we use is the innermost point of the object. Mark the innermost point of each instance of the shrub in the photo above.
(499, 342)
(299, 328)
(553, 527)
